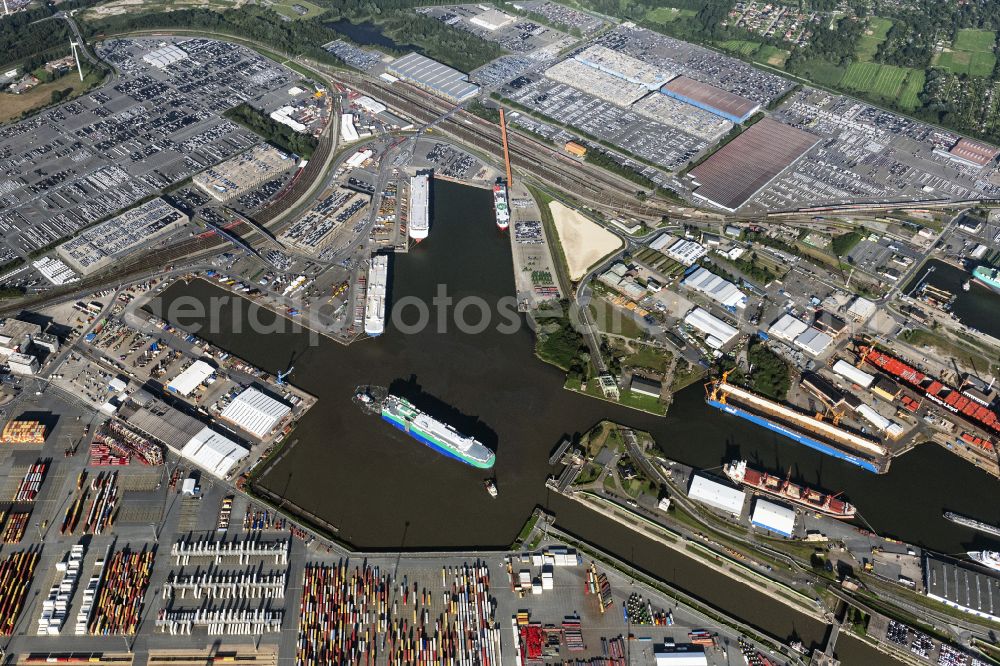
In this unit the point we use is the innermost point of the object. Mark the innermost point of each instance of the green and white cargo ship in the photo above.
(424, 428)
(988, 277)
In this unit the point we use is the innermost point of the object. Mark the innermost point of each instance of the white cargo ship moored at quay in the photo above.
(378, 272)
(419, 208)
(500, 204)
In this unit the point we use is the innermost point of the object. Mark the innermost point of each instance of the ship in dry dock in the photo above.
(741, 473)
(811, 430)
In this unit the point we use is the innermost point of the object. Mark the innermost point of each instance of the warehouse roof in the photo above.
(717, 332)
(214, 452)
(715, 287)
(974, 152)
(741, 168)
(441, 78)
(191, 378)
(861, 308)
(787, 328)
(716, 494)
(255, 411)
(813, 341)
(711, 98)
(774, 517)
(856, 376)
(968, 590)
(680, 655)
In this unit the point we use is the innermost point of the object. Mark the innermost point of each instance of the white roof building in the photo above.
(787, 328)
(256, 412)
(813, 341)
(661, 242)
(861, 308)
(719, 290)
(717, 495)
(686, 252)
(773, 517)
(852, 374)
(215, 453)
(680, 655)
(717, 332)
(370, 105)
(191, 378)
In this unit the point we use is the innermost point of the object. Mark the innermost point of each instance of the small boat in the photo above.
(491, 487)
(987, 558)
(966, 285)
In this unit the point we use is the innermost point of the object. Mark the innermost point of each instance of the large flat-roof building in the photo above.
(787, 328)
(105, 244)
(973, 153)
(244, 172)
(255, 412)
(736, 172)
(191, 378)
(710, 98)
(718, 289)
(717, 332)
(686, 252)
(717, 495)
(596, 82)
(433, 76)
(773, 517)
(964, 588)
(623, 66)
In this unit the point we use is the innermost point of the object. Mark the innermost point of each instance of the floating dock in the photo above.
(817, 434)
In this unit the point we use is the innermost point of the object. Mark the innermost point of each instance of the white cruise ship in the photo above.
(419, 222)
(378, 272)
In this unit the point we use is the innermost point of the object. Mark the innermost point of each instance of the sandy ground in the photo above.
(583, 241)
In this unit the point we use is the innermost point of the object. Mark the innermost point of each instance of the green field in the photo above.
(971, 54)
(771, 55)
(740, 47)
(868, 44)
(914, 84)
(664, 15)
(883, 80)
(287, 8)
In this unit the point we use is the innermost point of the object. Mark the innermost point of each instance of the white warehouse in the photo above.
(774, 517)
(716, 495)
(717, 332)
(255, 412)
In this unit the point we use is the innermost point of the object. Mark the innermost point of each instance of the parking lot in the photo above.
(512, 32)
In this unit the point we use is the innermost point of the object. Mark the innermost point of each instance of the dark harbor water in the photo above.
(976, 308)
(384, 490)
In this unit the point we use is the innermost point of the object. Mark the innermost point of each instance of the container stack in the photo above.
(101, 514)
(31, 483)
(90, 596)
(55, 608)
(13, 529)
(119, 600)
(16, 572)
(101, 455)
(573, 633)
(23, 432)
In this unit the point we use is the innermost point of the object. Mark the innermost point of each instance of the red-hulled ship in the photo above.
(942, 394)
(739, 473)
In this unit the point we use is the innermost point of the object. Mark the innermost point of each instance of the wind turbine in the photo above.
(76, 56)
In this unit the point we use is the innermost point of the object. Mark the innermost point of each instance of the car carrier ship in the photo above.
(814, 431)
(972, 523)
(500, 205)
(740, 473)
(987, 276)
(952, 399)
(424, 428)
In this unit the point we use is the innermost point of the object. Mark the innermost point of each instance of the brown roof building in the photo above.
(973, 153)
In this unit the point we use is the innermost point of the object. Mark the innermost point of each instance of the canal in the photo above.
(975, 308)
(383, 490)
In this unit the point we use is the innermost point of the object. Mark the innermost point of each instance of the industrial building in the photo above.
(773, 517)
(787, 328)
(692, 120)
(596, 82)
(680, 655)
(852, 374)
(813, 341)
(214, 452)
(105, 244)
(645, 386)
(719, 290)
(433, 76)
(622, 66)
(165, 55)
(717, 332)
(963, 588)
(736, 172)
(715, 100)
(255, 412)
(244, 172)
(717, 495)
(191, 378)
(685, 252)
(861, 309)
(973, 153)
(492, 20)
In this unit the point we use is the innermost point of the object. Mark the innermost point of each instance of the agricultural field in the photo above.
(908, 98)
(297, 9)
(664, 15)
(740, 47)
(868, 43)
(971, 54)
(886, 81)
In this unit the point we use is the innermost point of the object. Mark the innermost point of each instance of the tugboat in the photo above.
(491, 487)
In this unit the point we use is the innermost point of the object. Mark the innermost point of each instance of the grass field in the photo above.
(883, 80)
(771, 55)
(740, 47)
(287, 8)
(971, 53)
(868, 44)
(12, 106)
(664, 15)
(823, 72)
(914, 84)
